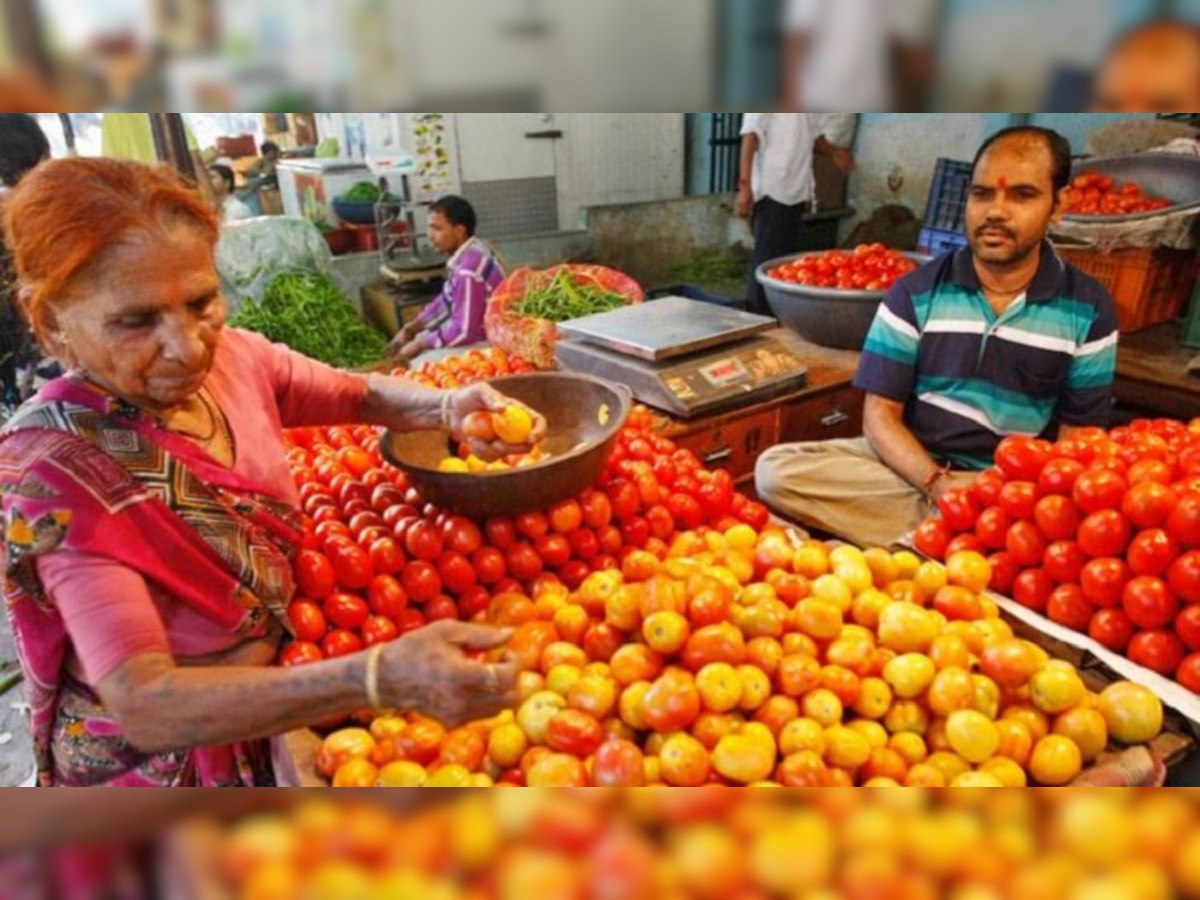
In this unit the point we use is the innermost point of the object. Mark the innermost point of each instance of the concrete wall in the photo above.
(647, 239)
(895, 153)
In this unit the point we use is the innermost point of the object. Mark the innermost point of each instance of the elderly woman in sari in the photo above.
(149, 515)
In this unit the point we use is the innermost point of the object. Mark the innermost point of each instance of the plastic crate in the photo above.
(947, 206)
(936, 241)
(691, 292)
(1191, 328)
(1149, 285)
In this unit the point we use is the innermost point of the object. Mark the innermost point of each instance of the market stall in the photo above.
(667, 628)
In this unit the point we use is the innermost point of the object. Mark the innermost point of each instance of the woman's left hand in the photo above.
(482, 398)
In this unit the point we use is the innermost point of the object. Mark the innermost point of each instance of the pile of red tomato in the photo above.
(378, 561)
(1100, 533)
(1093, 194)
(465, 368)
(868, 267)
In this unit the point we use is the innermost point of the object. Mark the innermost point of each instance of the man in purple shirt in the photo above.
(455, 317)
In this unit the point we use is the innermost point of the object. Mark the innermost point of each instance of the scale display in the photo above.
(747, 371)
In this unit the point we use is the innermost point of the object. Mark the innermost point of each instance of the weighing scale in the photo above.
(682, 356)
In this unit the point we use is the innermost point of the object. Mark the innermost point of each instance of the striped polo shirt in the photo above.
(968, 377)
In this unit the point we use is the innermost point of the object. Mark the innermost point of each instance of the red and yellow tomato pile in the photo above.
(713, 844)
(466, 368)
(1100, 533)
(1093, 194)
(741, 658)
(378, 561)
(868, 267)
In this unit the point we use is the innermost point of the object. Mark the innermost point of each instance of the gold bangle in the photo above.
(445, 414)
(371, 678)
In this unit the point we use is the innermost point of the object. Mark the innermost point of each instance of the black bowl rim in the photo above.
(622, 391)
(821, 293)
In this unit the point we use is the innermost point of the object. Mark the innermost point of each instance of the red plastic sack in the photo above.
(532, 338)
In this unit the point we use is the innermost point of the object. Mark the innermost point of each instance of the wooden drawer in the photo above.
(735, 443)
(835, 414)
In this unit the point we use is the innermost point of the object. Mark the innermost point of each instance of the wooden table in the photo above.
(1152, 373)
(828, 406)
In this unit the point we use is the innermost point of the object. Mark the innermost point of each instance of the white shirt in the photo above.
(234, 210)
(848, 64)
(783, 166)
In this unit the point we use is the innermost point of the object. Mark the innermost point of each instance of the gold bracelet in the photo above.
(371, 679)
(445, 416)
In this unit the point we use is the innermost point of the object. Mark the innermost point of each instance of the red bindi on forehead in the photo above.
(1002, 183)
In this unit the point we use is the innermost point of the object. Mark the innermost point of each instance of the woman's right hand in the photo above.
(428, 671)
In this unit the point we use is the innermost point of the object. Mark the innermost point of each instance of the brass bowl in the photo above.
(584, 416)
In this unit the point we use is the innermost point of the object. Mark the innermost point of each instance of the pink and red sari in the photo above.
(82, 471)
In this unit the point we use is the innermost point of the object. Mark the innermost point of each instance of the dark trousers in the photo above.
(776, 230)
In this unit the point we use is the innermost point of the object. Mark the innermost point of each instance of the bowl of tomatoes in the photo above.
(584, 416)
(1132, 188)
(831, 297)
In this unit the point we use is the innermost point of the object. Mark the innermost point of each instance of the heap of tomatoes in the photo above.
(378, 561)
(465, 368)
(1093, 194)
(1100, 533)
(712, 844)
(747, 658)
(868, 267)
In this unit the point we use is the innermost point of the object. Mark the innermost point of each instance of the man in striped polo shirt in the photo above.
(999, 338)
(455, 317)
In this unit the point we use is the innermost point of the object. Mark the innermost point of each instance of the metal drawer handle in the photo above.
(717, 456)
(833, 418)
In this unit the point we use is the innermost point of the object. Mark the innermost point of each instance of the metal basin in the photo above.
(584, 415)
(1169, 175)
(825, 316)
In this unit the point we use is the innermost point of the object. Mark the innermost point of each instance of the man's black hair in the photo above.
(1059, 147)
(226, 174)
(456, 211)
(22, 146)
(268, 147)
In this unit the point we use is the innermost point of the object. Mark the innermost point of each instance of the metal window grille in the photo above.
(726, 147)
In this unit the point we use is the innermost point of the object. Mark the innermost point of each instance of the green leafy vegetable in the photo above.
(565, 299)
(307, 312)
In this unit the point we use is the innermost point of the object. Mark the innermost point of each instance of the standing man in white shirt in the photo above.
(776, 184)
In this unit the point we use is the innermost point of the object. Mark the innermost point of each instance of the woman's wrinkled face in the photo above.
(146, 326)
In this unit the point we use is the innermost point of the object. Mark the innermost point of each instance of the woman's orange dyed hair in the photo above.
(65, 215)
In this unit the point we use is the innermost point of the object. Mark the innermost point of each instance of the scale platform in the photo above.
(683, 357)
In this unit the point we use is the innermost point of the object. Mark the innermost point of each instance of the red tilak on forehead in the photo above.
(1002, 182)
